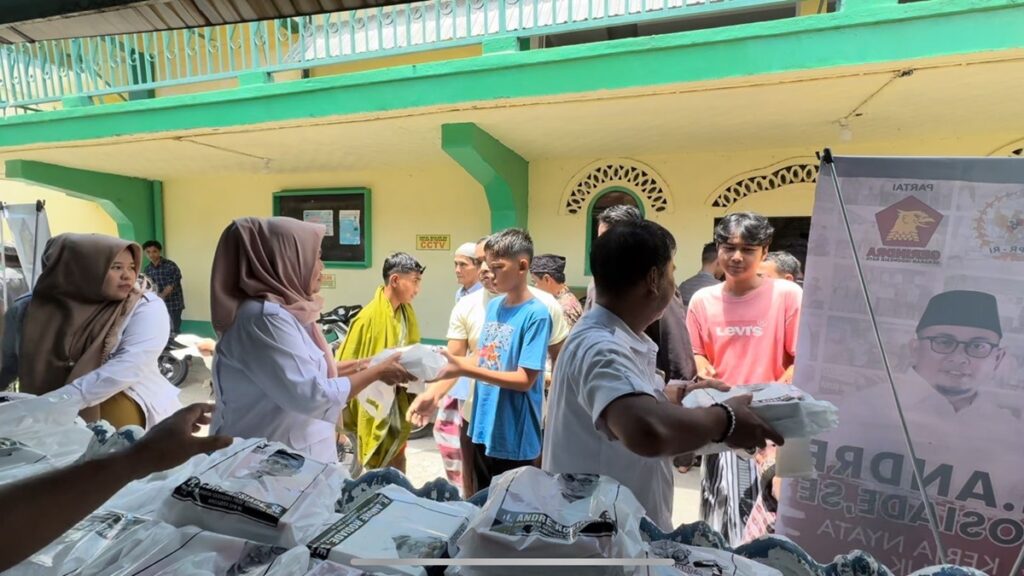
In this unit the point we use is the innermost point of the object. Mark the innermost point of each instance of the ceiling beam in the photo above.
(26, 10)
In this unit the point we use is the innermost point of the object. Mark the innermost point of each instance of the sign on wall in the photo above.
(941, 243)
(345, 215)
(434, 242)
(328, 281)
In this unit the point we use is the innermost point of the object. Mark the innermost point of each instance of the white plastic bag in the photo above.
(393, 523)
(39, 434)
(195, 552)
(534, 514)
(86, 541)
(792, 412)
(421, 361)
(257, 490)
(697, 561)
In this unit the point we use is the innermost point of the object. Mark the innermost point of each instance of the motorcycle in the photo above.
(176, 359)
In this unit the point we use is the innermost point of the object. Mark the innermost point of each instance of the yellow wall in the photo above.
(440, 199)
(691, 180)
(65, 213)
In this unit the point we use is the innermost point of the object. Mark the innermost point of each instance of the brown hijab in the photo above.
(70, 328)
(273, 259)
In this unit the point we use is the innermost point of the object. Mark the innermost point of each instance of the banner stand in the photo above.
(933, 522)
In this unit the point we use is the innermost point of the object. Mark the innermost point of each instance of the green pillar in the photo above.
(504, 174)
(135, 204)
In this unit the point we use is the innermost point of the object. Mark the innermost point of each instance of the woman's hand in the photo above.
(391, 371)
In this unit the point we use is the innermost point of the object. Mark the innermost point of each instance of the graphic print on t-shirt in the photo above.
(495, 341)
(742, 329)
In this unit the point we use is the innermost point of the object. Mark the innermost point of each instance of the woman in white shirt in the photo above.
(274, 374)
(92, 334)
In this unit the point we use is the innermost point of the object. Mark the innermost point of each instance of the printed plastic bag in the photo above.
(791, 411)
(39, 434)
(87, 540)
(195, 552)
(696, 561)
(257, 490)
(534, 514)
(421, 361)
(393, 523)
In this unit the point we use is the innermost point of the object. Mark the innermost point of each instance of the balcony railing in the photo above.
(43, 75)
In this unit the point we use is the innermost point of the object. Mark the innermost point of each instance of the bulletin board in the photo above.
(345, 212)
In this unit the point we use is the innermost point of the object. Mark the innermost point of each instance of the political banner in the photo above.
(941, 245)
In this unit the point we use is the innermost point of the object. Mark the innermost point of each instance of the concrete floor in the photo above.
(424, 460)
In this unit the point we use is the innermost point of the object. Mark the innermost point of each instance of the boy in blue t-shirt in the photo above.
(509, 364)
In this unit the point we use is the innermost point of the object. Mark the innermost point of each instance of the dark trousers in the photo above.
(175, 321)
(485, 468)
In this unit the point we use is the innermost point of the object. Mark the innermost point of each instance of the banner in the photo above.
(29, 242)
(941, 243)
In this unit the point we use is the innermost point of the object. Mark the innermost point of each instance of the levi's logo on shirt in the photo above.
(749, 330)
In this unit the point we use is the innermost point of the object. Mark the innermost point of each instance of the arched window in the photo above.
(615, 196)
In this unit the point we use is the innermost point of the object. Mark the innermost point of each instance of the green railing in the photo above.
(48, 74)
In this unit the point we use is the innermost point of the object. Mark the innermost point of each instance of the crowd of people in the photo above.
(533, 377)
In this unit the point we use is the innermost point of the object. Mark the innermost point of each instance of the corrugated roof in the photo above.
(32, 20)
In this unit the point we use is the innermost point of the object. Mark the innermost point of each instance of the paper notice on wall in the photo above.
(323, 217)
(349, 231)
(941, 243)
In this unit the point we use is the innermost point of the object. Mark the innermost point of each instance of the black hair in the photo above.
(510, 243)
(401, 263)
(551, 265)
(785, 262)
(618, 214)
(708, 254)
(622, 257)
(752, 228)
(153, 244)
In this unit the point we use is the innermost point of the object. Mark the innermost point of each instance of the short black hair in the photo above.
(709, 253)
(785, 262)
(751, 227)
(510, 243)
(401, 263)
(153, 244)
(615, 215)
(623, 256)
(551, 265)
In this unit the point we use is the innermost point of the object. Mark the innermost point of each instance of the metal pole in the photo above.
(3, 257)
(933, 522)
(35, 245)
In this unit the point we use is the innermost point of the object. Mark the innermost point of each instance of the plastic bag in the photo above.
(39, 434)
(423, 362)
(257, 490)
(195, 552)
(792, 412)
(393, 523)
(86, 541)
(693, 560)
(534, 514)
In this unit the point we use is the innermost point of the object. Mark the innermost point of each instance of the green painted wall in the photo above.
(135, 204)
(504, 174)
(879, 32)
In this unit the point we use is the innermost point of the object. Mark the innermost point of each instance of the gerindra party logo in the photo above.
(999, 227)
(905, 229)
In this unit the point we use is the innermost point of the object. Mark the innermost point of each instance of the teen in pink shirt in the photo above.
(743, 331)
(747, 339)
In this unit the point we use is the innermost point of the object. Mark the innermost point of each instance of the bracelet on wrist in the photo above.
(730, 422)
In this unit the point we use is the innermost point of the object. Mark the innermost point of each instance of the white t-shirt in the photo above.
(603, 361)
(467, 320)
